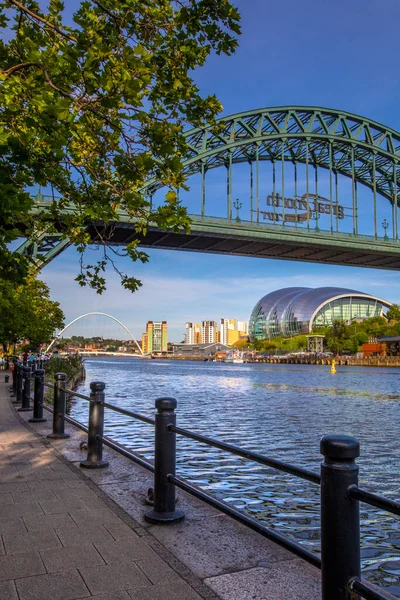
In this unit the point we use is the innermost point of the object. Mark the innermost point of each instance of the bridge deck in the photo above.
(220, 236)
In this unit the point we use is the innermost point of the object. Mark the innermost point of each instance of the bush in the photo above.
(72, 366)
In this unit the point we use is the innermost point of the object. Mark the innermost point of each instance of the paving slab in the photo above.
(12, 525)
(55, 586)
(72, 557)
(72, 535)
(10, 511)
(20, 565)
(112, 578)
(126, 551)
(19, 543)
(43, 522)
(158, 592)
(8, 590)
(113, 596)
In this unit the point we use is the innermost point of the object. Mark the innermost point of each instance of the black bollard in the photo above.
(20, 383)
(59, 408)
(14, 375)
(96, 428)
(26, 395)
(164, 511)
(38, 398)
(340, 519)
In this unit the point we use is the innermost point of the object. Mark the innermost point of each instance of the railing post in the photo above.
(96, 428)
(164, 510)
(340, 518)
(38, 398)
(20, 383)
(26, 394)
(14, 375)
(59, 408)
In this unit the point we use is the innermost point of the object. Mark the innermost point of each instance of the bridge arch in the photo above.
(345, 143)
(95, 313)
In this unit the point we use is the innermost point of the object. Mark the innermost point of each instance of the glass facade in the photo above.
(292, 311)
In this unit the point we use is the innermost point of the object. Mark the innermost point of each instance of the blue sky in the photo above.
(341, 55)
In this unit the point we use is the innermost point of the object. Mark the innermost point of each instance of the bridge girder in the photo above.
(348, 144)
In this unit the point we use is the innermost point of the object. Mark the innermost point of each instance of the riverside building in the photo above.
(232, 330)
(156, 337)
(193, 333)
(299, 310)
(209, 332)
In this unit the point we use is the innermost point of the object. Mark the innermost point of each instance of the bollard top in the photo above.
(164, 404)
(97, 386)
(340, 447)
(61, 376)
(26, 369)
(39, 372)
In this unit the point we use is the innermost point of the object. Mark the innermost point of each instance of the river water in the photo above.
(278, 410)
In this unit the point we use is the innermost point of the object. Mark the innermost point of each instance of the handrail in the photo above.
(129, 413)
(77, 394)
(368, 591)
(122, 450)
(254, 456)
(374, 500)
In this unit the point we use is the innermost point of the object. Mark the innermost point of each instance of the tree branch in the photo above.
(42, 20)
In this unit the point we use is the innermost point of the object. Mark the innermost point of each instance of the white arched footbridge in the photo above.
(88, 315)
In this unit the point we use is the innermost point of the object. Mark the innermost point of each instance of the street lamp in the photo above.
(385, 226)
(238, 205)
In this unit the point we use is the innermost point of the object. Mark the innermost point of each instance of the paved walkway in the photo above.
(62, 541)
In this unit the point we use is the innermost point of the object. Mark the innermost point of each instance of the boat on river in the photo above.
(234, 357)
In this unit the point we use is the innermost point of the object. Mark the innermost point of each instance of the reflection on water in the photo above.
(280, 411)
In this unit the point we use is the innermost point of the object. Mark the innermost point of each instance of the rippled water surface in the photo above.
(281, 411)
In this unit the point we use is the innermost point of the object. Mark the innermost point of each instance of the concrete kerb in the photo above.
(208, 550)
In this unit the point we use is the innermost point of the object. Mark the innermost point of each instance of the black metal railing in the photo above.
(340, 494)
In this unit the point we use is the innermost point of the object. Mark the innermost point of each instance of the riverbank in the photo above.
(346, 361)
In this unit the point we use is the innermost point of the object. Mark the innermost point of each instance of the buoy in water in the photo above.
(333, 366)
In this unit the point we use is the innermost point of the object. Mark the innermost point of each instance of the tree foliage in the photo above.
(95, 105)
(393, 313)
(26, 312)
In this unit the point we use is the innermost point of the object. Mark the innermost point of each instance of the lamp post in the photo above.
(385, 226)
(238, 205)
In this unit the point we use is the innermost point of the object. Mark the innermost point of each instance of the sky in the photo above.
(341, 55)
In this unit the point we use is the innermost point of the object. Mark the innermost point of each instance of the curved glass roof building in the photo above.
(297, 310)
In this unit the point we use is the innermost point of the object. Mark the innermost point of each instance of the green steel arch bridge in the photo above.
(296, 183)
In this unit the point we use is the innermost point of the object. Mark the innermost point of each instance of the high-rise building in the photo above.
(232, 330)
(243, 327)
(145, 343)
(193, 333)
(208, 332)
(156, 337)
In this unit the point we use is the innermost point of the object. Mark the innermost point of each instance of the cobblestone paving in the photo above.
(59, 540)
